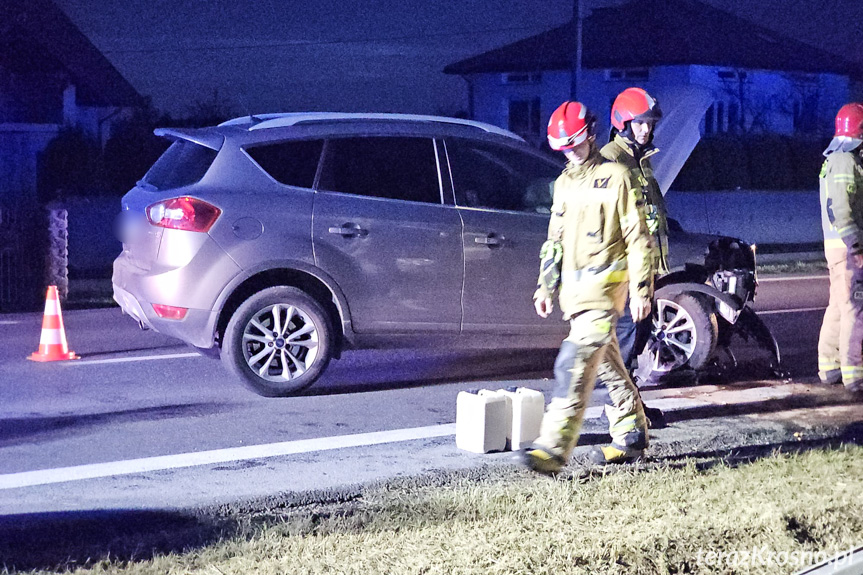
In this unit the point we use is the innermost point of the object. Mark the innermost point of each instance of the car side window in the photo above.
(500, 178)
(293, 163)
(400, 168)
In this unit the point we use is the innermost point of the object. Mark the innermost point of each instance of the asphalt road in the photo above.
(141, 422)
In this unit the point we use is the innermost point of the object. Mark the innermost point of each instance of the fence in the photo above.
(22, 250)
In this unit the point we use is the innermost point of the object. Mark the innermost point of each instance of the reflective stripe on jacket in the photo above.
(622, 151)
(841, 187)
(598, 219)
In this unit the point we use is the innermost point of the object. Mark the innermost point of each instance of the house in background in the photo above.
(759, 80)
(51, 76)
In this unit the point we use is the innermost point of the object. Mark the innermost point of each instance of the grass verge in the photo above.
(774, 515)
(794, 267)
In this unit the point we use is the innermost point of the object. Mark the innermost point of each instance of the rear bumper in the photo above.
(195, 286)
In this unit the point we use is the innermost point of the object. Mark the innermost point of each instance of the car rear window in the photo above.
(182, 164)
(291, 163)
(400, 168)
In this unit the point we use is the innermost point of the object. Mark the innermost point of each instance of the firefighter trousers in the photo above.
(840, 344)
(591, 349)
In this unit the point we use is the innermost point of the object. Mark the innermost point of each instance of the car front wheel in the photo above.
(278, 342)
(683, 334)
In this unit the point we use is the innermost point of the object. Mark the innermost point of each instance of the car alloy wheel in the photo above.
(278, 341)
(684, 334)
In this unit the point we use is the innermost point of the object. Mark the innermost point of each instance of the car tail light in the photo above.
(183, 213)
(170, 311)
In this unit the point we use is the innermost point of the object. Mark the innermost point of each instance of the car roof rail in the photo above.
(264, 121)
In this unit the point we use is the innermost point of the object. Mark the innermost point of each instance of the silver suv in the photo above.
(276, 241)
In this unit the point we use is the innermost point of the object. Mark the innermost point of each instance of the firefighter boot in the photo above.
(634, 445)
(538, 459)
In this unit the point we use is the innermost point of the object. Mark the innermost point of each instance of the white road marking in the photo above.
(791, 278)
(138, 358)
(798, 310)
(181, 460)
(10, 322)
(96, 470)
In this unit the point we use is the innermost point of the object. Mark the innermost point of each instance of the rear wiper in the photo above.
(147, 186)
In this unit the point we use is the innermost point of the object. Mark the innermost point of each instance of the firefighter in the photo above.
(840, 344)
(634, 115)
(597, 248)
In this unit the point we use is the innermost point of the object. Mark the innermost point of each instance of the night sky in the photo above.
(348, 55)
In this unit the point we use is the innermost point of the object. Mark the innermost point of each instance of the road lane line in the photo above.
(97, 470)
(182, 460)
(129, 359)
(798, 310)
(791, 278)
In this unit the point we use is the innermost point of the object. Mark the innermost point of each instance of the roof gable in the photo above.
(673, 32)
(35, 35)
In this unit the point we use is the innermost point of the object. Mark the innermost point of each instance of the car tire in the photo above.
(278, 341)
(683, 335)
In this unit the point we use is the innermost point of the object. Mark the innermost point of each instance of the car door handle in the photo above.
(491, 240)
(349, 231)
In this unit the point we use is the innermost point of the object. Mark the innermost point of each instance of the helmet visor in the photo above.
(567, 142)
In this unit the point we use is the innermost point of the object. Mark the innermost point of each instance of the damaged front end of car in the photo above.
(700, 307)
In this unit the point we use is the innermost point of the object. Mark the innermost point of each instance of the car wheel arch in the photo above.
(317, 285)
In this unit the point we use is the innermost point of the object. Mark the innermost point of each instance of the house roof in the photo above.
(674, 32)
(36, 35)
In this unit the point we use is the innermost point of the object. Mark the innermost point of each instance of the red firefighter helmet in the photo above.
(849, 129)
(633, 104)
(849, 121)
(569, 125)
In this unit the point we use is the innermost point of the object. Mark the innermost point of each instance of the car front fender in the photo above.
(730, 311)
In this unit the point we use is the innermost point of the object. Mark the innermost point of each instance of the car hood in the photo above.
(678, 133)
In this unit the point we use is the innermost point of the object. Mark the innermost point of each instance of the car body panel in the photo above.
(500, 277)
(402, 271)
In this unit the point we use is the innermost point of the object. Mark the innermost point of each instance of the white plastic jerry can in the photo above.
(480, 421)
(525, 409)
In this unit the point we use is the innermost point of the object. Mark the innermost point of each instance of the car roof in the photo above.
(373, 122)
(267, 121)
(271, 128)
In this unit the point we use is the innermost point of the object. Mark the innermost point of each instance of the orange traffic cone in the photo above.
(52, 344)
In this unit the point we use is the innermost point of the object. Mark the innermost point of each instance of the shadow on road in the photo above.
(26, 430)
(378, 371)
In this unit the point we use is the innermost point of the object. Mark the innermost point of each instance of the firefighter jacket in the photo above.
(841, 184)
(624, 151)
(598, 220)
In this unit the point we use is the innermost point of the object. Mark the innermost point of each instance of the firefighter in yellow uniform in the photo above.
(597, 247)
(840, 345)
(634, 115)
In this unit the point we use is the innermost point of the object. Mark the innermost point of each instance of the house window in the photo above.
(722, 117)
(731, 74)
(806, 114)
(522, 78)
(733, 116)
(633, 74)
(524, 117)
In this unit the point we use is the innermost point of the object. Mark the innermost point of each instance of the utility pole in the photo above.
(578, 18)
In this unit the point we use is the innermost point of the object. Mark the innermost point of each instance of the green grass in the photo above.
(509, 521)
(797, 267)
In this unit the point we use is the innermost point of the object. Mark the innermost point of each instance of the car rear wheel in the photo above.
(684, 334)
(278, 341)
